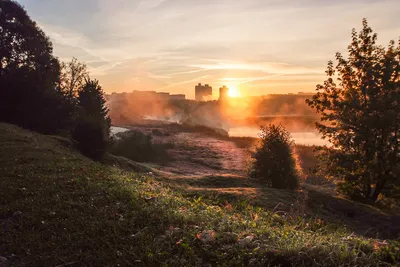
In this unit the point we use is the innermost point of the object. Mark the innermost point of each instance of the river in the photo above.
(301, 138)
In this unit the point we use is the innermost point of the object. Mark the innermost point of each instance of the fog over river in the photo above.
(301, 138)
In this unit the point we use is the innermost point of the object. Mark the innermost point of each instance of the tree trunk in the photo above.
(378, 188)
(368, 190)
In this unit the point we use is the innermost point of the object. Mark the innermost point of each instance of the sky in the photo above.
(258, 46)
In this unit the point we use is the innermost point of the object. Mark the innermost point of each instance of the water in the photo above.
(115, 130)
(301, 138)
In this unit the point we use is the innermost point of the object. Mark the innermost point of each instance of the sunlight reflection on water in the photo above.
(115, 130)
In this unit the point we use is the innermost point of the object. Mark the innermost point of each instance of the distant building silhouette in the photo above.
(223, 93)
(146, 96)
(203, 92)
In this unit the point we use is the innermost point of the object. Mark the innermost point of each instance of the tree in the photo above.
(72, 79)
(29, 73)
(92, 130)
(273, 159)
(73, 76)
(359, 105)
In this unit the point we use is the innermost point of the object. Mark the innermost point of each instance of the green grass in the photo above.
(60, 208)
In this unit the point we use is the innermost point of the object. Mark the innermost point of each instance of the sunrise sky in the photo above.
(260, 46)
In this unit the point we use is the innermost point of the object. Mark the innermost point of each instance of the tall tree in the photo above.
(359, 104)
(29, 73)
(92, 101)
(92, 129)
(73, 76)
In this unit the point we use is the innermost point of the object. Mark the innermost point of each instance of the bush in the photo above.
(92, 130)
(273, 159)
(138, 146)
(91, 137)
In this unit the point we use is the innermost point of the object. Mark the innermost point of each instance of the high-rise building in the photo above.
(223, 93)
(203, 92)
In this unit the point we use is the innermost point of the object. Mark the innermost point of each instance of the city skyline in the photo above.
(260, 47)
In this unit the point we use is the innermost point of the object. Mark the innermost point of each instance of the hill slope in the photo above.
(58, 208)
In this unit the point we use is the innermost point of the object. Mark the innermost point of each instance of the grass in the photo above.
(58, 208)
(139, 146)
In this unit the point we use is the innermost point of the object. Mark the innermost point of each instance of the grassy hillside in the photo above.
(58, 208)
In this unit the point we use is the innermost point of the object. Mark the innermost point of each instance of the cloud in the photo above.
(168, 44)
(280, 68)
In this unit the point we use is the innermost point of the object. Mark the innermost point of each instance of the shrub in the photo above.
(92, 129)
(138, 146)
(273, 159)
(91, 137)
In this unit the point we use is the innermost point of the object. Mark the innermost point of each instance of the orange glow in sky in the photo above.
(261, 46)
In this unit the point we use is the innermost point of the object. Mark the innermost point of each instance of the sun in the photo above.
(233, 91)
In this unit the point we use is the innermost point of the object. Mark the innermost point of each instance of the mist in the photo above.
(240, 116)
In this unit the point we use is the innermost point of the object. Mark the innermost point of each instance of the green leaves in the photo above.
(360, 114)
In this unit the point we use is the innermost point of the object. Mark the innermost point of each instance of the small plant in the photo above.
(274, 162)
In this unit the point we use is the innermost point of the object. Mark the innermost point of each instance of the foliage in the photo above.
(63, 209)
(35, 91)
(73, 76)
(92, 129)
(29, 73)
(91, 137)
(360, 116)
(138, 146)
(273, 160)
(92, 102)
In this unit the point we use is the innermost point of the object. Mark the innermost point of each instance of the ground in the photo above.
(58, 208)
(203, 161)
